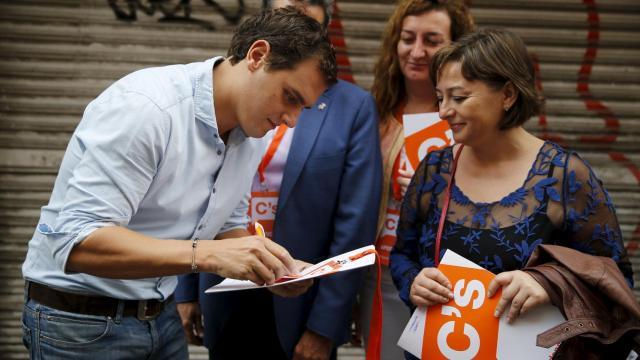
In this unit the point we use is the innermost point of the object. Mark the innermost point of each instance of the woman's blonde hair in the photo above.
(388, 85)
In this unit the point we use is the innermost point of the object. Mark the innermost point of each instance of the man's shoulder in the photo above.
(165, 86)
(344, 88)
(347, 99)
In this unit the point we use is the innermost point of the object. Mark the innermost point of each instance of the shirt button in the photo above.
(215, 136)
(219, 152)
(200, 227)
(214, 190)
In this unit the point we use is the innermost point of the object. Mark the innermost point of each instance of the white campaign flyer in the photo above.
(351, 260)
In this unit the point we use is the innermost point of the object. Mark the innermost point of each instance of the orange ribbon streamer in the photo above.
(375, 329)
(271, 151)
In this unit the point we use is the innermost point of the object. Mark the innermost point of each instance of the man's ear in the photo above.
(258, 54)
(510, 95)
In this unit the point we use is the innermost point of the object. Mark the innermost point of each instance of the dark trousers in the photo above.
(251, 332)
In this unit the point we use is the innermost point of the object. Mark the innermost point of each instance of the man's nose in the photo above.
(291, 118)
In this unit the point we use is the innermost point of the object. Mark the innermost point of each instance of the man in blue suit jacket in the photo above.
(327, 205)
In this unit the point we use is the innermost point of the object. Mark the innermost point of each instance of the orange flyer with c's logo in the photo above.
(465, 327)
(424, 133)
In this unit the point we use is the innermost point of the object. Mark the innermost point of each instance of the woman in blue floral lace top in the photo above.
(512, 191)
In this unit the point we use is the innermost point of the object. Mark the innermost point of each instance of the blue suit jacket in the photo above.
(328, 204)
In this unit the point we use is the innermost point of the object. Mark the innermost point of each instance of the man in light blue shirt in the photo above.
(163, 155)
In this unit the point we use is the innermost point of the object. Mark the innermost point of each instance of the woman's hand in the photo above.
(404, 179)
(520, 290)
(430, 287)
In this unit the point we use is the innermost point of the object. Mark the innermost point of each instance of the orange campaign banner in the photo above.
(262, 208)
(465, 327)
(424, 133)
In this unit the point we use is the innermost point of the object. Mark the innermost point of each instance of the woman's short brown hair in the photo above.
(388, 84)
(495, 57)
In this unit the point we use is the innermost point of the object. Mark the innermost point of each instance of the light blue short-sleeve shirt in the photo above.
(147, 156)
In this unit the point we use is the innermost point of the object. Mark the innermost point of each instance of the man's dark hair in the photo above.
(293, 37)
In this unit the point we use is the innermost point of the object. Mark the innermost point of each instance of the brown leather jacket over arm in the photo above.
(603, 316)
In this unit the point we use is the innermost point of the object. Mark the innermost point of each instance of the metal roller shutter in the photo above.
(586, 54)
(56, 55)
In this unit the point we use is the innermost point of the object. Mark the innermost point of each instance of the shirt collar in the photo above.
(203, 97)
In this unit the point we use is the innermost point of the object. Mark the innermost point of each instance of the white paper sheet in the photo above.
(340, 263)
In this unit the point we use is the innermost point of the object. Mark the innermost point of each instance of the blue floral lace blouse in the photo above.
(561, 202)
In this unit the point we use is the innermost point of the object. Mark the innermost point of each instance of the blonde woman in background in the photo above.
(413, 34)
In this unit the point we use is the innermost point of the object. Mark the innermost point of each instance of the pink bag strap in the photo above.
(445, 205)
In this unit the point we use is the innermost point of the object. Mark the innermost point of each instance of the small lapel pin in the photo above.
(322, 106)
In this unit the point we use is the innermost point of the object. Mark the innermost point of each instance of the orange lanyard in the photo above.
(271, 151)
(375, 327)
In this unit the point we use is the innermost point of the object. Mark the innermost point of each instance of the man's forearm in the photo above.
(119, 253)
